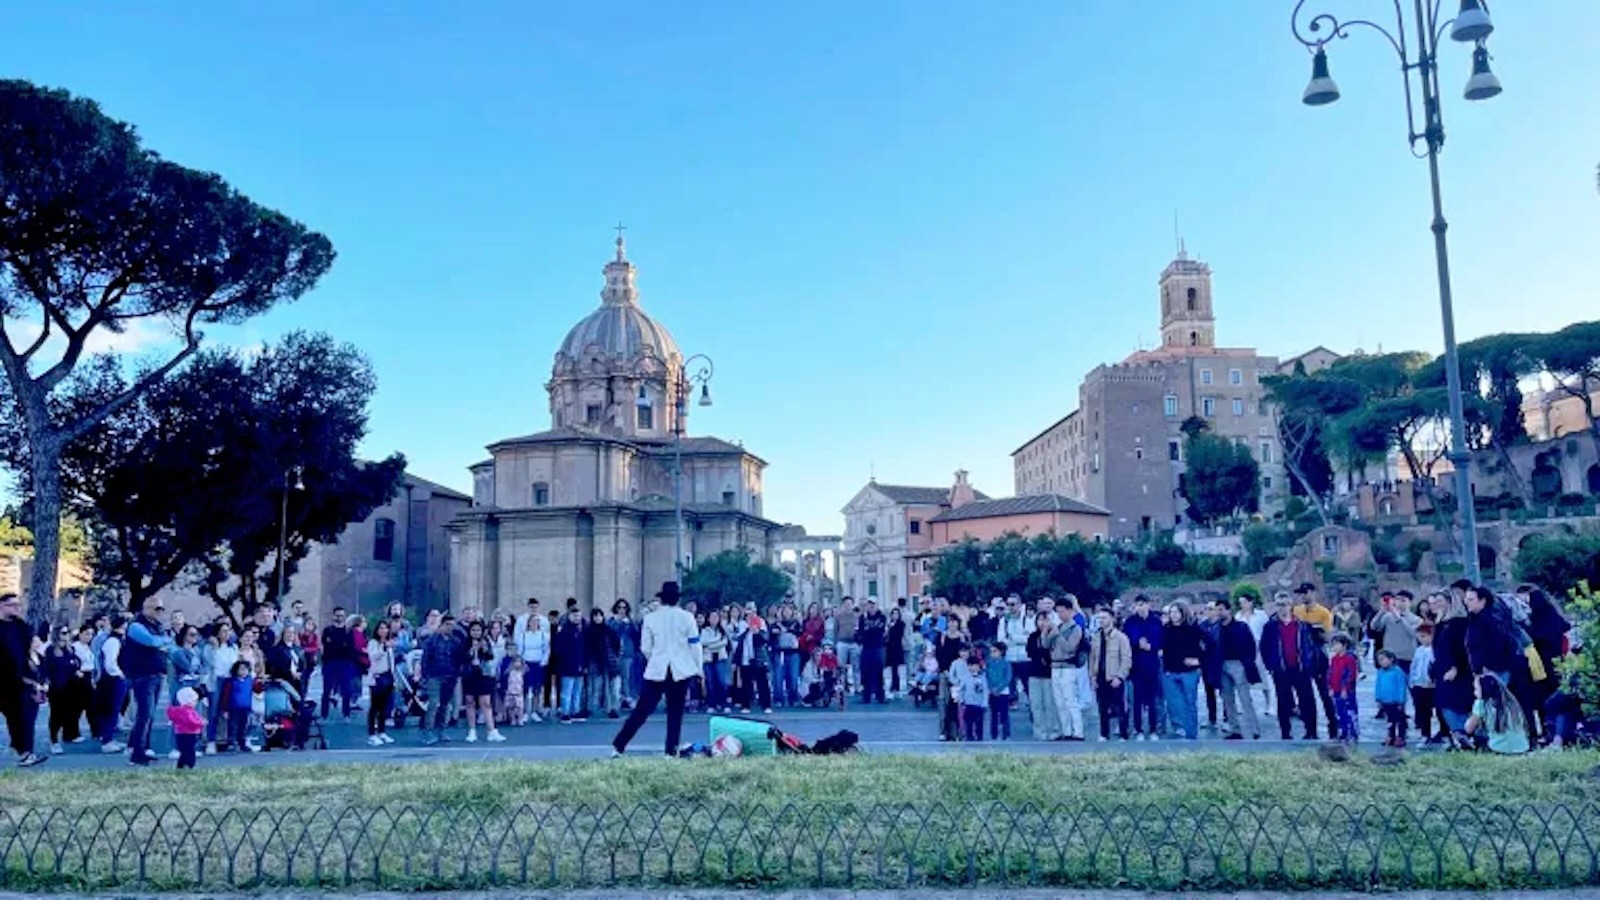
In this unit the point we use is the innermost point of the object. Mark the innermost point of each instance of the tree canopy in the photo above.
(971, 572)
(734, 577)
(99, 234)
(190, 476)
(1220, 479)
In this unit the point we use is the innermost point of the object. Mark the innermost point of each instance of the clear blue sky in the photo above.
(903, 230)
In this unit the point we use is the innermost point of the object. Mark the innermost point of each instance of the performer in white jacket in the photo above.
(670, 641)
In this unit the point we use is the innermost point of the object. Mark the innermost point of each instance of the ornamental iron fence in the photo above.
(818, 846)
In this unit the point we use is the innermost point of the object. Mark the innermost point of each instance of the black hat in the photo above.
(668, 593)
(1306, 587)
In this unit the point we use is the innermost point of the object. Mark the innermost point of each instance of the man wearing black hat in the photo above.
(670, 642)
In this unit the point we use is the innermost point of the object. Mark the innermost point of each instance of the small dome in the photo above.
(619, 328)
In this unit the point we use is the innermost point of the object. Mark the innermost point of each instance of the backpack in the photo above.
(1080, 656)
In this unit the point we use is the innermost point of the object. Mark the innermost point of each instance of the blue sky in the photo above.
(903, 229)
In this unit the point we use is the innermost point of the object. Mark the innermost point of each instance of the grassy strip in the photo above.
(1145, 821)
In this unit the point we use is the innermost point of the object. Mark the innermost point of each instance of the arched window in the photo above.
(1194, 338)
(1192, 294)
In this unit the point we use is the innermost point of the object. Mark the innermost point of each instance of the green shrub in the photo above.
(1165, 557)
(1208, 566)
(1414, 552)
(1244, 590)
(1385, 554)
(1582, 667)
(1559, 562)
(1264, 545)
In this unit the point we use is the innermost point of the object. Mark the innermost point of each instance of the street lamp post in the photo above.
(1471, 25)
(283, 522)
(681, 381)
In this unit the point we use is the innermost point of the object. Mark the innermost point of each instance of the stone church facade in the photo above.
(585, 509)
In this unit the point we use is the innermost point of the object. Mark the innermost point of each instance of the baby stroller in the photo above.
(925, 690)
(288, 721)
(413, 700)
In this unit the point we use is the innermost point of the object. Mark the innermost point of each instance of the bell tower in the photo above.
(1187, 319)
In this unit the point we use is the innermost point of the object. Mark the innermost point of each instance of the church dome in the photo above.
(619, 328)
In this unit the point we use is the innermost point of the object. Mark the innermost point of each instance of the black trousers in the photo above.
(22, 716)
(871, 676)
(649, 698)
(1113, 704)
(1293, 688)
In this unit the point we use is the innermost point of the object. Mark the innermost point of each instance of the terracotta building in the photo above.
(1122, 448)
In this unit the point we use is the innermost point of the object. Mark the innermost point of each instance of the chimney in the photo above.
(961, 492)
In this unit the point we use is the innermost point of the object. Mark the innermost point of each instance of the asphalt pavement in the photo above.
(895, 727)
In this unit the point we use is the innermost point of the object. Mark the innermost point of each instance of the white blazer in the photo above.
(671, 642)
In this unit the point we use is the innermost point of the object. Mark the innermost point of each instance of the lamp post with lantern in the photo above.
(681, 382)
(1471, 25)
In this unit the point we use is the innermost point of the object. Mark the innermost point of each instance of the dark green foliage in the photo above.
(1221, 478)
(1558, 562)
(970, 572)
(734, 577)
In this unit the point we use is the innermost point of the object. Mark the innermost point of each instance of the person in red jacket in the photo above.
(1343, 670)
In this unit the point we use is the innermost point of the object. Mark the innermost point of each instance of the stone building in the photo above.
(1122, 448)
(585, 509)
(887, 536)
(398, 552)
(1557, 412)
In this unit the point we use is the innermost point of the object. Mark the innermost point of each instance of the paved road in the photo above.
(892, 728)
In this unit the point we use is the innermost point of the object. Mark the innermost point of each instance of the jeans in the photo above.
(790, 682)
(338, 677)
(971, 722)
(110, 694)
(146, 692)
(717, 684)
(1042, 708)
(1146, 701)
(872, 676)
(1000, 717)
(1064, 683)
(1349, 716)
(571, 694)
(444, 696)
(604, 689)
(850, 663)
(215, 712)
(1182, 689)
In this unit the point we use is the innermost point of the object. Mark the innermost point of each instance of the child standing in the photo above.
(241, 697)
(1391, 696)
(516, 688)
(187, 725)
(1422, 685)
(1343, 671)
(972, 691)
(999, 673)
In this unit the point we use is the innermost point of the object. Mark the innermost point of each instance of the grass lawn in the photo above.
(1136, 820)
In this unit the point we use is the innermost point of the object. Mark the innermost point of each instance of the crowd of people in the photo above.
(1465, 666)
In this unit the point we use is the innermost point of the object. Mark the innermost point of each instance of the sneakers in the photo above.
(535, 717)
(30, 759)
(612, 714)
(113, 747)
(495, 737)
(374, 741)
(211, 748)
(615, 753)
(1139, 736)
(1102, 740)
(385, 738)
(173, 754)
(57, 749)
(472, 735)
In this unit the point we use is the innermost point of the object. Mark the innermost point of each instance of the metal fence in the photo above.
(823, 846)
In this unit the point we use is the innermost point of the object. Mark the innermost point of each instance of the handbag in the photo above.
(1536, 670)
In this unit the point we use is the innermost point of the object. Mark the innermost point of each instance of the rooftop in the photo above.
(1014, 506)
(918, 496)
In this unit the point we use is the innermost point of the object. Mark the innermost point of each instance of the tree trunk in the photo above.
(45, 465)
(1517, 484)
(1291, 461)
(1425, 480)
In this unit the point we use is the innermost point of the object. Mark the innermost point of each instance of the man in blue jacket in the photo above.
(1143, 629)
(144, 663)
